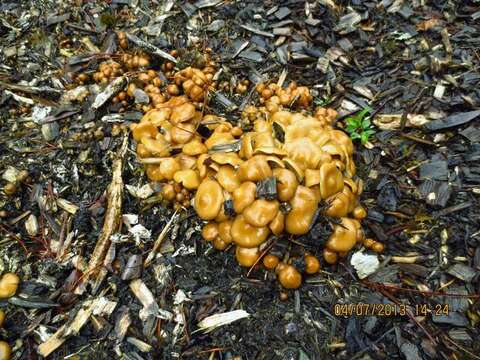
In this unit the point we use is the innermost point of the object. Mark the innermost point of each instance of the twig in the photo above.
(159, 240)
(113, 214)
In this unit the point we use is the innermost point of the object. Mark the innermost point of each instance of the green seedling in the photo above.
(359, 126)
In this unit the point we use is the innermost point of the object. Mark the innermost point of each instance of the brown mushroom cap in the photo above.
(270, 261)
(289, 277)
(227, 177)
(331, 180)
(2, 318)
(246, 256)
(246, 235)
(261, 212)
(208, 199)
(8, 285)
(210, 231)
(153, 173)
(168, 192)
(254, 169)
(244, 196)
(287, 183)
(219, 244)
(304, 205)
(312, 264)
(344, 236)
(312, 177)
(183, 132)
(157, 147)
(378, 247)
(188, 178)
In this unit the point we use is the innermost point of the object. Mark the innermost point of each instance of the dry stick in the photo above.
(113, 214)
(159, 240)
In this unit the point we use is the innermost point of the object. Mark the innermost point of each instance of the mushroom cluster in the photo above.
(250, 185)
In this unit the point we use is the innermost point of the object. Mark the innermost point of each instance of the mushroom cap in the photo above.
(219, 138)
(224, 231)
(312, 264)
(168, 191)
(210, 231)
(359, 212)
(246, 235)
(153, 173)
(270, 261)
(261, 212)
(226, 158)
(157, 147)
(339, 204)
(182, 113)
(331, 180)
(208, 199)
(277, 225)
(8, 285)
(168, 167)
(194, 148)
(244, 196)
(183, 132)
(5, 351)
(312, 177)
(304, 205)
(188, 178)
(246, 151)
(344, 236)
(286, 183)
(330, 257)
(254, 169)
(219, 244)
(227, 177)
(143, 129)
(246, 256)
(289, 277)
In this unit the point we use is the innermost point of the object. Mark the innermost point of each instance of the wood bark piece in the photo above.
(113, 216)
(73, 328)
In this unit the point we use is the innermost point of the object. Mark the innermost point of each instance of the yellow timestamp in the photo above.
(363, 309)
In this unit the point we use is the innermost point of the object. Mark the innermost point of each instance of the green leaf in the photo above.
(364, 138)
(370, 132)
(365, 123)
(355, 135)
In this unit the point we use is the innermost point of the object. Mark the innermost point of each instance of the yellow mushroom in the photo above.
(246, 256)
(8, 285)
(344, 236)
(208, 199)
(246, 235)
(286, 183)
(261, 212)
(188, 178)
(244, 196)
(304, 205)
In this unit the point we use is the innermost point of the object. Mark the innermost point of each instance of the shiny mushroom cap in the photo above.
(8, 285)
(289, 277)
(208, 199)
(286, 183)
(246, 256)
(261, 212)
(244, 196)
(254, 169)
(344, 235)
(304, 205)
(246, 235)
(331, 180)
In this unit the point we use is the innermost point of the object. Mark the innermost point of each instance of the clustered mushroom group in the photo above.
(8, 287)
(249, 186)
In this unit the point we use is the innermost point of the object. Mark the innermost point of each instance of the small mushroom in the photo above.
(2, 317)
(210, 231)
(8, 285)
(246, 235)
(286, 183)
(344, 236)
(289, 277)
(224, 229)
(270, 261)
(208, 199)
(246, 256)
(330, 257)
(261, 212)
(304, 205)
(183, 132)
(312, 265)
(144, 129)
(244, 196)
(359, 212)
